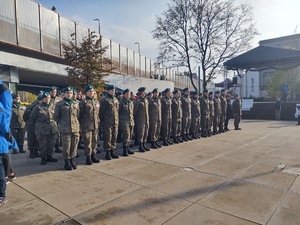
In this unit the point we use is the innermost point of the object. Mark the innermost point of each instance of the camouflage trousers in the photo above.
(142, 132)
(195, 124)
(154, 130)
(110, 137)
(186, 123)
(90, 141)
(166, 128)
(237, 119)
(210, 122)
(222, 121)
(176, 127)
(19, 134)
(69, 144)
(46, 143)
(126, 133)
(216, 122)
(204, 122)
(31, 139)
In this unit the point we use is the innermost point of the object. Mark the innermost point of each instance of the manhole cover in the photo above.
(188, 169)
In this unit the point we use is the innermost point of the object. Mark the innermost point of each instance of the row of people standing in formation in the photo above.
(151, 117)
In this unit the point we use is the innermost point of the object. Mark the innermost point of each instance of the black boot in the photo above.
(141, 148)
(158, 145)
(31, 154)
(180, 140)
(125, 151)
(145, 147)
(108, 156)
(165, 143)
(57, 149)
(203, 135)
(21, 150)
(194, 136)
(170, 143)
(74, 166)
(36, 152)
(136, 143)
(114, 156)
(51, 159)
(94, 159)
(188, 137)
(43, 160)
(175, 141)
(68, 165)
(153, 145)
(88, 160)
(129, 151)
(184, 138)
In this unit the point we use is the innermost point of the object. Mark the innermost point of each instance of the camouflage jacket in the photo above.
(109, 111)
(237, 107)
(186, 106)
(16, 120)
(55, 100)
(126, 112)
(29, 109)
(66, 116)
(166, 108)
(223, 104)
(211, 107)
(204, 105)
(141, 110)
(217, 106)
(42, 118)
(89, 114)
(154, 109)
(195, 107)
(176, 109)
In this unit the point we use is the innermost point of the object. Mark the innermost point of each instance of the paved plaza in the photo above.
(240, 177)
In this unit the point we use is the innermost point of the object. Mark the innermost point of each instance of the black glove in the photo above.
(8, 137)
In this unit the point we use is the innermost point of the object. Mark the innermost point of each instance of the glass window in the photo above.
(7, 21)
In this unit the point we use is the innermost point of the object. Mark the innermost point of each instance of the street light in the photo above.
(139, 50)
(98, 26)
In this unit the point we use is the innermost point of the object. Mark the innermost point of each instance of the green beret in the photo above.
(155, 90)
(222, 90)
(175, 91)
(110, 87)
(88, 87)
(217, 92)
(141, 89)
(210, 93)
(185, 89)
(205, 91)
(41, 92)
(167, 90)
(126, 91)
(44, 95)
(53, 88)
(68, 89)
(15, 96)
(118, 93)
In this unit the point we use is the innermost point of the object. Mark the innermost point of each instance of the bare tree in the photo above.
(205, 32)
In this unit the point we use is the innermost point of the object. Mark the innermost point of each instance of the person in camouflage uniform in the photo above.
(166, 117)
(204, 105)
(66, 115)
(176, 117)
(155, 118)
(45, 128)
(126, 121)
(32, 143)
(195, 113)
(186, 114)
(17, 123)
(223, 111)
(211, 113)
(89, 124)
(218, 112)
(237, 112)
(109, 117)
(141, 114)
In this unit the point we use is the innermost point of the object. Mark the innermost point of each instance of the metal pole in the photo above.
(99, 30)
(139, 51)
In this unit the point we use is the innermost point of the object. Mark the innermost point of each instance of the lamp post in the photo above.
(139, 51)
(99, 30)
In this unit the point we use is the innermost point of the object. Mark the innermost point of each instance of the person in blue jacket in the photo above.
(4, 147)
(6, 100)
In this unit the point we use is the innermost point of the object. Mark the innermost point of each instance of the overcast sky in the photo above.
(130, 21)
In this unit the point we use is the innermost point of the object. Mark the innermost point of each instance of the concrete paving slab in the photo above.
(244, 200)
(296, 185)
(87, 195)
(224, 166)
(288, 211)
(190, 186)
(196, 214)
(149, 173)
(142, 207)
(263, 174)
(35, 212)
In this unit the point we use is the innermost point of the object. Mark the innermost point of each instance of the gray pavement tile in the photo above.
(90, 194)
(149, 173)
(252, 202)
(33, 212)
(296, 185)
(264, 175)
(142, 207)
(288, 211)
(53, 182)
(196, 215)
(251, 157)
(224, 166)
(190, 186)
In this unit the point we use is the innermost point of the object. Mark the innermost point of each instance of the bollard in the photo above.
(298, 107)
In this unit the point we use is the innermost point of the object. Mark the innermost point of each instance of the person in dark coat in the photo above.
(228, 112)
